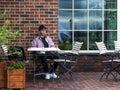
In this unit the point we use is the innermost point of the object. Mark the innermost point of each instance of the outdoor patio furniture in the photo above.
(14, 52)
(117, 48)
(37, 65)
(110, 65)
(68, 61)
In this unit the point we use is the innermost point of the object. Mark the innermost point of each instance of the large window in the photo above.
(87, 21)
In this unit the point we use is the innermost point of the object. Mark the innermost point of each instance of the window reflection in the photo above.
(81, 37)
(80, 20)
(65, 20)
(110, 21)
(109, 38)
(95, 20)
(87, 21)
(110, 4)
(95, 4)
(80, 4)
(94, 36)
(65, 40)
(65, 4)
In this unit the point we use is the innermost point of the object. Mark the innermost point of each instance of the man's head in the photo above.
(42, 31)
(42, 27)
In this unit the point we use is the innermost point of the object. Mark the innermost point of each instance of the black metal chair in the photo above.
(110, 65)
(69, 61)
(14, 52)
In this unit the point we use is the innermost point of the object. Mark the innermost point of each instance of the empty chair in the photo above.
(69, 60)
(110, 64)
(117, 45)
(5, 49)
(14, 52)
(117, 48)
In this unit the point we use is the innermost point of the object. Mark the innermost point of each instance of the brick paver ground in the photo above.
(81, 81)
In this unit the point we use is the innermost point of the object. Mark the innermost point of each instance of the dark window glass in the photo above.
(110, 20)
(109, 38)
(94, 36)
(65, 40)
(110, 4)
(81, 37)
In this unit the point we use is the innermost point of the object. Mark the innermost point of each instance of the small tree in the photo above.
(6, 32)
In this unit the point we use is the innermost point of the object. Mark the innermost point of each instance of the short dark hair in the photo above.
(41, 27)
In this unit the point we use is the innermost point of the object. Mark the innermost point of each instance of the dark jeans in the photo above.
(51, 56)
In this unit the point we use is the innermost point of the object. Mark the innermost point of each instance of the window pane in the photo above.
(94, 36)
(95, 20)
(109, 38)
(80, 4)
(95, 4)
(65, 4)
(65, 40)
(87, 21)
(65, 17)
(81, 37)
(110, 22)
(80, 20)
(110, 4)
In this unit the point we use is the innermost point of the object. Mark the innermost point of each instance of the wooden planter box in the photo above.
(2, 75)
(16, 79)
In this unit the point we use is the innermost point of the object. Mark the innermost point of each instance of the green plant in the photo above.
(9, 65)
(7, 32)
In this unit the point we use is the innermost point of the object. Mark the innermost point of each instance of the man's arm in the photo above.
(50, 42)
(34, 43)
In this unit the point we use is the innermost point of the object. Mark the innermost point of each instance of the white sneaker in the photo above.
(53, 75)
(47, 76)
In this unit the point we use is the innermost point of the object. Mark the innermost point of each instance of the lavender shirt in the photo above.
(37, 42)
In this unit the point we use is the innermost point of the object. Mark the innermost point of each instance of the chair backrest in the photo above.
(117, 45)
(102, 48)
(17, 53)
(5, 49)
(76, 47)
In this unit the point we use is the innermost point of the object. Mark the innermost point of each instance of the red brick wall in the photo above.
(27, 15)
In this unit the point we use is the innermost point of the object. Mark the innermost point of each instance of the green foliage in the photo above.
(2, 15)
(112, 22)
(6, 32)
(9, 65)
(65, 46)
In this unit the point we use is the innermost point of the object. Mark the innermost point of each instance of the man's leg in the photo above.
(55, 64)
(44, 64)
(45, 67)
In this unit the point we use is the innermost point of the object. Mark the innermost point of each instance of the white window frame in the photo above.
(118, 31)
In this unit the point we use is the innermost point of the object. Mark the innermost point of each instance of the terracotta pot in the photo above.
(16, 78)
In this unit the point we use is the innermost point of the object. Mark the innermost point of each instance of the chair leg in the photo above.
(103, 75)
(107, 73)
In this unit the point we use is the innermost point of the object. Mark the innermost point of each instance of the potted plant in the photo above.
(10, 65)
(6, 33)
(15, 74)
